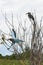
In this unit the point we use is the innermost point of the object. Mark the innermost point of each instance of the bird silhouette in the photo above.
(14, 40)
(30, 16)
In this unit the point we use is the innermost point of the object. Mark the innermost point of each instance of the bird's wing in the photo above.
(14, 32)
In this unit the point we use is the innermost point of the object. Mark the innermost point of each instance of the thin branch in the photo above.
(6, 18)
(6, 23)
(19, 21)
(5, 33)
(12, 21)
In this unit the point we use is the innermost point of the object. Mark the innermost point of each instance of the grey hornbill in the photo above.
(30, 15)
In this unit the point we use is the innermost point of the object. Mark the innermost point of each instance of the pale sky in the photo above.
(19, 7)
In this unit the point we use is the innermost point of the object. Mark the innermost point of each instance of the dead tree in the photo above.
(36, 41)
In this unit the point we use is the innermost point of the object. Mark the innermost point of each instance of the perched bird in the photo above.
(30, 16)
(14, 40)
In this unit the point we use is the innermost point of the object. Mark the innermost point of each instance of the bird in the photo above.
(14, 40)
(30, 16)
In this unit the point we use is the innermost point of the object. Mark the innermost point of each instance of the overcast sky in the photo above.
(19, 7)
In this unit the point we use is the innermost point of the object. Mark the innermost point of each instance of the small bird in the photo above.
(30, 16)
(14, 39)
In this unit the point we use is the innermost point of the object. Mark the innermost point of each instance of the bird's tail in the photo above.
(22, 41)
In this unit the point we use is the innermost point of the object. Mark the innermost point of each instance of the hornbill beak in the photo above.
(28, 13)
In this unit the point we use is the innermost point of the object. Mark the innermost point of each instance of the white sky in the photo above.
(19, 7)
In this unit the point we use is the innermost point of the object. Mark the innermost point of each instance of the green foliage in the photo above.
(13, 59)
(14, 62)
(22, 56)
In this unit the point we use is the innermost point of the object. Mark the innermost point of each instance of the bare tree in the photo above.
(36, 41)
